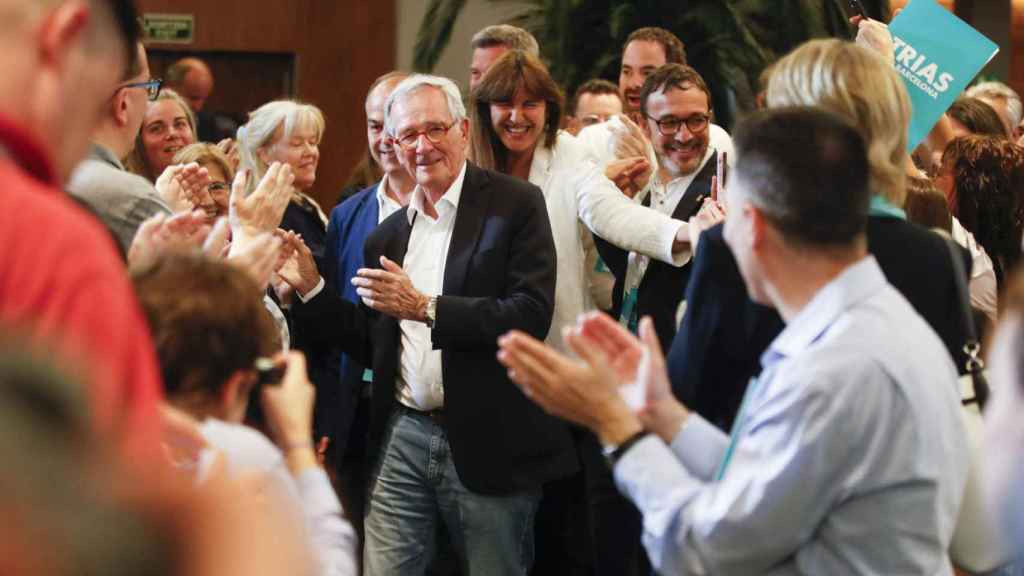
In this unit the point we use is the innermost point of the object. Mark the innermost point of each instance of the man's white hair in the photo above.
(417, 82)
(998, 90)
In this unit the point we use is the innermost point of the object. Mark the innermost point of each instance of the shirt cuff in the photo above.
(651, 477)
(667, 233)
(312, 293)
(316, 493)
(700, 446)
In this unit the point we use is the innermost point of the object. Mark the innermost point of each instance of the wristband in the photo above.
(612, 454)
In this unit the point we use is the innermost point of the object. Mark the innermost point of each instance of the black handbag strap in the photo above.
(975, 365)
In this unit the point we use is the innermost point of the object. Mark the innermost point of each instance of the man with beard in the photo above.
(645, 50)
(676, 107)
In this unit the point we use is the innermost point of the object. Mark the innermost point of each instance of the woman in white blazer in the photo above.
(515, 114)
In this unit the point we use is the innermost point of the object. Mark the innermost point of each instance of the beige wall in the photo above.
(454, 62)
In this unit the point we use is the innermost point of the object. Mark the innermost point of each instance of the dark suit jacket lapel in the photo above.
(469, 220)
(399, 243)
(699, 189)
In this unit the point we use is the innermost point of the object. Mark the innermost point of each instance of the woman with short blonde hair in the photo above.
(855, 83)
(222, 174)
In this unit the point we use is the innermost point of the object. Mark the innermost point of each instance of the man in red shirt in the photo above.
(62, 284)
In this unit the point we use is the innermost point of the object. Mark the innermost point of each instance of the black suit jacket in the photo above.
(499, 276)
(724, 333)
(663, 285)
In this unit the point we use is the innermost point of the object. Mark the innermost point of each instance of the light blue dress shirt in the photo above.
(849, 456)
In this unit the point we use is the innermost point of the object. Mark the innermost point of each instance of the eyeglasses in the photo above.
(435, 134)
(218, 188)
(152, 87)
(669, 126)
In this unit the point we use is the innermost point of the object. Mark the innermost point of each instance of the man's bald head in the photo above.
(62, 62)
(191, 78)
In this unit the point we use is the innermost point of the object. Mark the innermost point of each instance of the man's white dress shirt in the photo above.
(419, 384)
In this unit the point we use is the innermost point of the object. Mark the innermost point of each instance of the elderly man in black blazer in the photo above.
(471, 258)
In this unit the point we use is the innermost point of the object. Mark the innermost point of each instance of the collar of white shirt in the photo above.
(855, 284)
(450, 198)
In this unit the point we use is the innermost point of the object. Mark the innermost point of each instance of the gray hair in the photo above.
(511, 37)
(263, 123)
(417, 82)
(1000, 91)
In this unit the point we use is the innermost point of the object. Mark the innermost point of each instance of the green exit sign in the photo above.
(169, 28)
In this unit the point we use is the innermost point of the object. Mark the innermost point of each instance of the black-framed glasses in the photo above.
(151, 86)
(696, 124)
(435, 134)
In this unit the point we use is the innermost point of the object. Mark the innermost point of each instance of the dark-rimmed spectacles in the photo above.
(152, 87)
(670, 125)
(435, 134)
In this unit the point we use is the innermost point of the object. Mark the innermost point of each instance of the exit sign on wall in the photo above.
(169, 28)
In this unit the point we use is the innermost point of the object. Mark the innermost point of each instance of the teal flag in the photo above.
(938, 55)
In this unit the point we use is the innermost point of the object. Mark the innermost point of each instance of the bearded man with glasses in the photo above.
(675, 105)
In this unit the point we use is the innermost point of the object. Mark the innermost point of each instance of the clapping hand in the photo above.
(630, 175)
(257, 255)
(298, 271)
(183, 187)
(638, 361)
(389, 290)
(161, 234)
(260, 212)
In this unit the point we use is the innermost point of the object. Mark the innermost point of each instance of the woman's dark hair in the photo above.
(988, 179)
(515, 70)
(926, 205)
(977, 116)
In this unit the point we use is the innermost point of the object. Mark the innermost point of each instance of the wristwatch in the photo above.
(431, 312)
(613, 453)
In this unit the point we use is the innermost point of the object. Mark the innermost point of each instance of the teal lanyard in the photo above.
(882, 207)
(737, 426)
(628, 317)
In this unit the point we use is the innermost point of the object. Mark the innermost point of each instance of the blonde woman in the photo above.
(218, 191)
(289, 132)
(167, 127)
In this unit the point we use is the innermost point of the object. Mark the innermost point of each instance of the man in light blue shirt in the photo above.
(848, 455)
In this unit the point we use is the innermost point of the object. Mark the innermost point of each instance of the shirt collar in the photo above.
(450, 197)
(27, 151)
(853, 285)
(103, 154)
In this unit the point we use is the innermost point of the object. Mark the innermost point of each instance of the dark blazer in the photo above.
(724, 333)
(322, 358)
(663, 285)
(499, 276)
(351, 223)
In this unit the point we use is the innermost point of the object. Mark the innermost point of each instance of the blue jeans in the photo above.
(416, 485)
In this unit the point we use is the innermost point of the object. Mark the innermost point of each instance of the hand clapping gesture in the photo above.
(259, 212)
(183, 187)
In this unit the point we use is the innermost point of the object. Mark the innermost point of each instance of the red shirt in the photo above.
(65, 288)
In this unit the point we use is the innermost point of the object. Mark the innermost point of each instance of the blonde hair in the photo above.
(259, 132)
(205, 154)
(137, 161)
(859, 85)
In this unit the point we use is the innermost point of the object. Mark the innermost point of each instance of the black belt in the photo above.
(436, 415)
